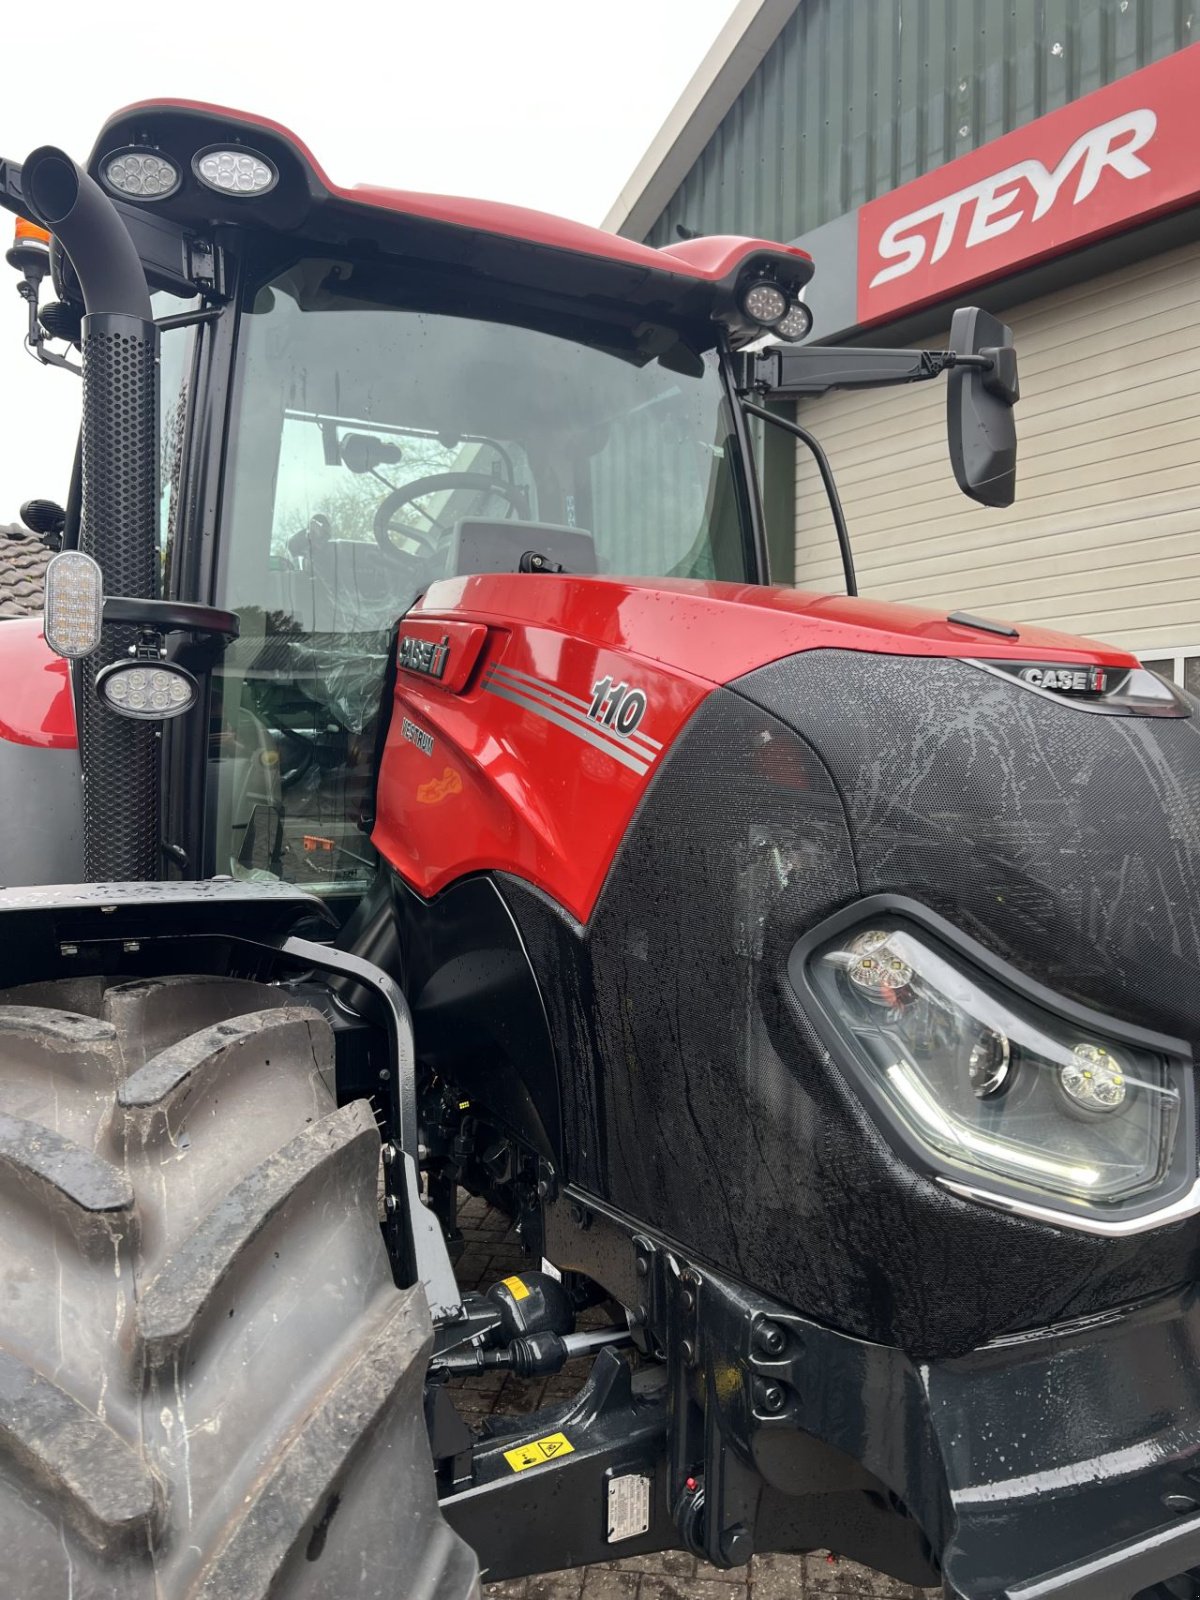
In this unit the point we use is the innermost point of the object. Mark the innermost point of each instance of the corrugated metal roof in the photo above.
(859, 96)
(23, 562)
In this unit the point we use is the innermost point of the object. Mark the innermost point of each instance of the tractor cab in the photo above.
(365, 393)
(382, 442)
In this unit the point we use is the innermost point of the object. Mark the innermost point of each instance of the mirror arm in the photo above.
(816, 369)
(827, 478)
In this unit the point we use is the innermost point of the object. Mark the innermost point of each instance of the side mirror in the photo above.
(363, 452)
(979, 409)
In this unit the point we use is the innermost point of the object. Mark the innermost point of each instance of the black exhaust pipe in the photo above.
(119, 506)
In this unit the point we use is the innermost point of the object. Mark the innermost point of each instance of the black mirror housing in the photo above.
(979, 408)
(363, 452)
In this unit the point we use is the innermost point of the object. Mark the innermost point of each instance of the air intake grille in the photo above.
(120, 452)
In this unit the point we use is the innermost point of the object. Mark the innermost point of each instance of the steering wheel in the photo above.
(437, 482)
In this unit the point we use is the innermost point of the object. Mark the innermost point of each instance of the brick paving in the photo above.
(492, 1251)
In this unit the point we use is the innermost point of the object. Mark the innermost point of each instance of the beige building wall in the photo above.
(1104, 537)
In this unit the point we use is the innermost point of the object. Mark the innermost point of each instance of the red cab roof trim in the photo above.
(707, 260)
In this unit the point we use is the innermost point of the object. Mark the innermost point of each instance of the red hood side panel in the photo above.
(528, 765)
(36, 706)
(513, 774)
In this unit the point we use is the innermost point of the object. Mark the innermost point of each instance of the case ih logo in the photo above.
(1067, 680)
(1098, 165)
(426, 656)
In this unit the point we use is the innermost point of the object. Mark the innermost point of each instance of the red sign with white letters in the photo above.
(1100, 165)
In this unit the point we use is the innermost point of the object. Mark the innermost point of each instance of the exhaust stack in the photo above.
(119, 508)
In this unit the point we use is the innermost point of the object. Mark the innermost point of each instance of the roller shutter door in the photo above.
(1104, 538)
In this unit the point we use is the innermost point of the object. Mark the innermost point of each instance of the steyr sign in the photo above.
(1095, 166)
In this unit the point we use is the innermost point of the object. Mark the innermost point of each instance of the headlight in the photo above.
(236, 171)
(997, 1086)
(796, 325)
(147, 691)
(140, 173)
(764, 302)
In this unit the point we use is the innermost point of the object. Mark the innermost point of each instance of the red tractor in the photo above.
(815, 982)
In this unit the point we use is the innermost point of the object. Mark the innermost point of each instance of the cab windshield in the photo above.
(378, 447)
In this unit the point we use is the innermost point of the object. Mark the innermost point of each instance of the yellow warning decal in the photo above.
(517, 1287)
(539, 1452)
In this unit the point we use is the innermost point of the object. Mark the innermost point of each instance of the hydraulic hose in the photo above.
(118, 503)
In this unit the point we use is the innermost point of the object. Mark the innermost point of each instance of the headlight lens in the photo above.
(140, 174)
(989, 1085)
(235, 171)
(146, 690)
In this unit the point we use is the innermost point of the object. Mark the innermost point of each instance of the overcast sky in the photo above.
(546, 103)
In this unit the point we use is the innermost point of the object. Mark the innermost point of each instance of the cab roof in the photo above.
(694, 278)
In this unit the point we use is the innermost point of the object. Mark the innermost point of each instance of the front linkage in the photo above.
(1064, 1463)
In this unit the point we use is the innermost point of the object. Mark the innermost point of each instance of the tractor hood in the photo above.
(895, 679)
(799, 757)
(719, 631)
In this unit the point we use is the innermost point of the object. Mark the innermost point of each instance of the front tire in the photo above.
(210, 1388)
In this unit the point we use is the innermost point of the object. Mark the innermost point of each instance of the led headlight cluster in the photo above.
(763, 301)
(235, 171)
(145, 690)
(796, 325)
(993, 1087)
(140, 174)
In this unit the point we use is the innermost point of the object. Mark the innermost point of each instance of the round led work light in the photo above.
(140, 174)
(146, 690)
(235, 171)
(796, 325)
(763, 302)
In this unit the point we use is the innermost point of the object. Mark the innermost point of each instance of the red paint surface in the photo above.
(715, 255)
(35, 689)
(718, 631)
(506, 790)
(1164, 98)
(705, 260)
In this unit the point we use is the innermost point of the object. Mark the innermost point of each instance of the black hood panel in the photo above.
(697, 1097)
(1065, 841)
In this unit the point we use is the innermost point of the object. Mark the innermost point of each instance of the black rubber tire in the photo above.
(209, 1387)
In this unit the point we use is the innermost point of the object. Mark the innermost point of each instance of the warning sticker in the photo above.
(628, 1506)
(539, 1451)
(516, 1287)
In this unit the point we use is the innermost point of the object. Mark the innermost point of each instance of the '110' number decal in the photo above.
(617, 706)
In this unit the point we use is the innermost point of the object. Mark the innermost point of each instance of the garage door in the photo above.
(1104, 538)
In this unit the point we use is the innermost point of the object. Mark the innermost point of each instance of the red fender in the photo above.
(36, 704)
